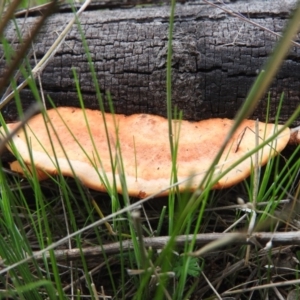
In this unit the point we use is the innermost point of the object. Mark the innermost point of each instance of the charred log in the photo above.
(216, 58)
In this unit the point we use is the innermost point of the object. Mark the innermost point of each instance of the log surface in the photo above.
(216, 58)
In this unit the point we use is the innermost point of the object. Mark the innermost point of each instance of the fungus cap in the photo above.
(142, 144)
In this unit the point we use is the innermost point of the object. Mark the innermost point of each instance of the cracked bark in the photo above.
(216, 58)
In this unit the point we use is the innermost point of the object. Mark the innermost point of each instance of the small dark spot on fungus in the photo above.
(142, 194)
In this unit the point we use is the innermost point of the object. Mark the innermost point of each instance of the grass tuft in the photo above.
(60, 240)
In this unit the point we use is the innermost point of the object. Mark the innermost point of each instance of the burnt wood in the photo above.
(216, 58)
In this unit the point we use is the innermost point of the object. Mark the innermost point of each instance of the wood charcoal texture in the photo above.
(216, 58)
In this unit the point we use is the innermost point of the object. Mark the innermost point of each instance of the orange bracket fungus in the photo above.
(78, 143)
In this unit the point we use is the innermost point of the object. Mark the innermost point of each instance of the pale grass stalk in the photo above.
(68, 232)
(235, 223)
(254, 193)
(244, 206)
(234, 13)
(8, 14)
(277, 293)
(211, 286)
(91, 273)
(225, 274)
(262, 287)
(218, 243)
(39, 80)
(37, 8)
(95, 294)
(147, 220)
(38, 69)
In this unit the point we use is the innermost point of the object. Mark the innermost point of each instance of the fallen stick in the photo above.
(278, 238)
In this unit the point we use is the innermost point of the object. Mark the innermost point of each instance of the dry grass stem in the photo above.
(245, 248)
(228, 10)
(23, 49)
(158, 243)
(49, 54)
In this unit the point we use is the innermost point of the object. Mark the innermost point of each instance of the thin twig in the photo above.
(211, 286)
(38, 8)
(254, 193)
(24, 47)
(47, 57)
(280, 238)
(8, 14)
(230, 11)
(262, 287)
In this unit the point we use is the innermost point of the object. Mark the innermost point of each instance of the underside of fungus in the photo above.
(79, 144)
